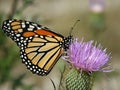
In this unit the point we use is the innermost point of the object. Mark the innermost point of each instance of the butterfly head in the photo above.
(67, 42)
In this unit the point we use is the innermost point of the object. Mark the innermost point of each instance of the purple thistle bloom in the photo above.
(87, 57)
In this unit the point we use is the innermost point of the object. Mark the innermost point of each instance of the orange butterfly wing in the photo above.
(40, 47)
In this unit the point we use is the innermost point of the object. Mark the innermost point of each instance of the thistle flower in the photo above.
(86, 57)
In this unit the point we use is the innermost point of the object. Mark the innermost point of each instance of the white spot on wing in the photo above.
(41, 37)
(38, 27)
(31, 26)
(36, 35)
(30, 29)
(23, 25)
(18, 35)
(10, 21)
(8, 24)
(27, 22)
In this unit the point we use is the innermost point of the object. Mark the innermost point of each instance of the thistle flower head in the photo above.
(88, 57)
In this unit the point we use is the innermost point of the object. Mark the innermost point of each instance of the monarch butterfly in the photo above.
(40, 47)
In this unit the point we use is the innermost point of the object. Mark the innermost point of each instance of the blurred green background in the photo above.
(99, 21)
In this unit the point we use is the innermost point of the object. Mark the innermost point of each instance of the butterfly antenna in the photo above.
(73, 27)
